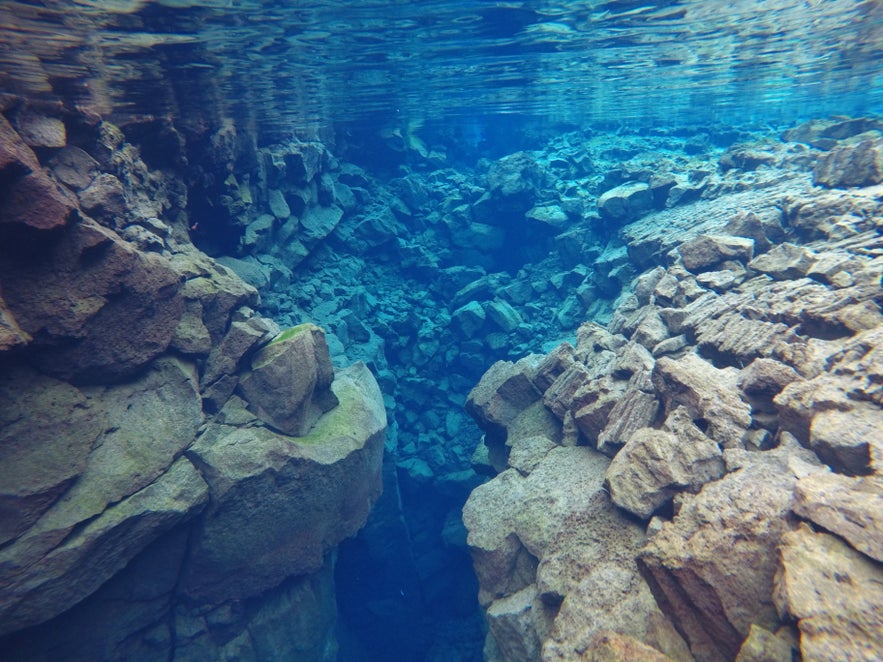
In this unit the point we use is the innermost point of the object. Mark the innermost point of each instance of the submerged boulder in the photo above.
(288, 385)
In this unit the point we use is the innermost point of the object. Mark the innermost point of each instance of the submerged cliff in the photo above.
(177, 471)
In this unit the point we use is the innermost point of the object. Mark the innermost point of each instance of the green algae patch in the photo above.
(291, 332)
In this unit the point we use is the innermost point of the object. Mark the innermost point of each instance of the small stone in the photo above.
(706, 251)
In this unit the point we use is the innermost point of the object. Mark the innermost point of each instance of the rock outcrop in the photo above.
(726, 423)
(177, 473)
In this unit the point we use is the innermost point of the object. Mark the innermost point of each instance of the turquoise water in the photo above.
(301, 66)
(381, 84)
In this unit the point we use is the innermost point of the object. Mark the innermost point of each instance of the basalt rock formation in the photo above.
(701, 477)
(177, 472)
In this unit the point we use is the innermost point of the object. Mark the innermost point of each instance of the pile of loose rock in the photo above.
(702, 478)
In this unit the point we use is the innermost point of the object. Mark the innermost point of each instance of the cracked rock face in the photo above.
(757, 476)
(145, 512)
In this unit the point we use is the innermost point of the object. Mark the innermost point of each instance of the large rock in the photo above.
(711, 568)
(27, 196)
(99, 308)
(708, 394)
(128, 489)
(834, 593)
(280, 503)
(47, 430)
(289, 383)
(706, 251)
(499, 397)
(655, 464)
(849, 507)
(626, 202)
(853, 164)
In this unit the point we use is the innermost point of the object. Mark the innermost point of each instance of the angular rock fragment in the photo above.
(706, 251)
(655, 464)
(834, 593)
(708, 394)
(289, 383)
(712, 566)
(854, 164)
(852, 508)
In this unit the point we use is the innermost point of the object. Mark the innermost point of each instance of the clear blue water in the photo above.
(485, 79)
(299, 66)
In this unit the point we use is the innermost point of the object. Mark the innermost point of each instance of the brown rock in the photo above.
(500, 396)
(105, 200)
(712, 566)
(855, 164)
(99, 308)
(288, 385)
(706, 251)
(632, 410)
(834, 593)
(27, 196)
(784, 262)
(850, 507)
(848, 441)
(655, 464)
(74, 168)
(766, 377)
(707, 393)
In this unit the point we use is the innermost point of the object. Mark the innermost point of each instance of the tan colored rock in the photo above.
(40, 130)
(707, 393)
(655, 464)
(834, 593)
(590, 568)
(848, 441)
(288, 385)
(610, 646)
(707, 251)
(513, 518)
(498, 398)
(513, 622)
(851, 164)
(633, 409)
(712, 566)
(279, 503)
(784, 261)
(763, 646)
(849, 507)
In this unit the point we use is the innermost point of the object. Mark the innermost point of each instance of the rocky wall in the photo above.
(700, 478)
(177, 471)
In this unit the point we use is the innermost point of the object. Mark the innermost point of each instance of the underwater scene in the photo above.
(438, 331)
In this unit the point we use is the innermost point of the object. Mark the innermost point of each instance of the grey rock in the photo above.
(74, 168)
(278, 205)
(47, 430)
(40, 130)
(318, 222)
(503, 315)
(288, 385)
(626, 202)
(280, 503)
(470, 318)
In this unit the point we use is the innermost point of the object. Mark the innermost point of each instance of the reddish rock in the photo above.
(27, 196)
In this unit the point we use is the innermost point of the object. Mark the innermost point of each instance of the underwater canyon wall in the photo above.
(700, 478)
(177, 470)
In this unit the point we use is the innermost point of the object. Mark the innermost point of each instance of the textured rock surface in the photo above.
(835, 595)
(118, 338)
